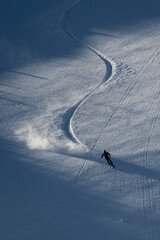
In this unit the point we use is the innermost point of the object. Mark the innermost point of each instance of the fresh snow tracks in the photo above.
(110, 72)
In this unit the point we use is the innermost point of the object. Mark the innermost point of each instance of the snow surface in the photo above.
(78, 77)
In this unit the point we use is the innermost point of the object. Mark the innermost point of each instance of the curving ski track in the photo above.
(110, 72)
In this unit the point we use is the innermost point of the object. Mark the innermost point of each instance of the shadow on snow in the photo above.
(21, 43)
(38, 205)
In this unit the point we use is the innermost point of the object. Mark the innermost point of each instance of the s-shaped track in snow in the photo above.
(110, 71)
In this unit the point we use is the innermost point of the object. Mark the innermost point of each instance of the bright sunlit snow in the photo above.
(78, 77)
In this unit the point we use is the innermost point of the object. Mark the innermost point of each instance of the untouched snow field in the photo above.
(78, 77)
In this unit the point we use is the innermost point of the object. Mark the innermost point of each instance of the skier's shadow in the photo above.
(131, 168)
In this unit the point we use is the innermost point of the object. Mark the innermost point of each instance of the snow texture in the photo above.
(78, 77)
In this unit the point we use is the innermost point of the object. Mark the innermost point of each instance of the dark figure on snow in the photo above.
(107, 157)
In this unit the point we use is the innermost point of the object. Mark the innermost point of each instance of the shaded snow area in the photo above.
(78, 77)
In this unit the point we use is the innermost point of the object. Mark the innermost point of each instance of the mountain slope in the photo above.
(89, 81)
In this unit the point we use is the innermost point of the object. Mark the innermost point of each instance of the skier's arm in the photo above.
(102, 155)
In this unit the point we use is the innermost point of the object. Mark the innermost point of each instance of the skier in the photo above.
(107, 157)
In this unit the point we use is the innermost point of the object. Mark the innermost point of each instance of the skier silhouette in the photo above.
(107, 157)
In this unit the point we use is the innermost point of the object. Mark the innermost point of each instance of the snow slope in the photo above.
(79, 77)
